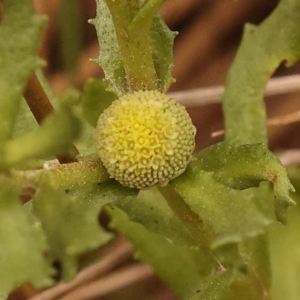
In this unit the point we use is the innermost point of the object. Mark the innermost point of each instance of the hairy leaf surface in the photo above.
(183, 268)
(245, 166)
(110, 57)
(162, 41)
(95, 99)
(150, 209)
(20, 33)
(53, 137)
(136, 46)
(217, 206)
(22, 247)
(232, 285)
(263, 48)
(69, 219)
(284, 248)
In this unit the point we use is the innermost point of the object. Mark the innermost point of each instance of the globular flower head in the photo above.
(144, 139)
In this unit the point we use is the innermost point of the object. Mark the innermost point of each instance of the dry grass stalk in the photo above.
(290, 157)
(211, 95)
(111, 283)
(115, 254)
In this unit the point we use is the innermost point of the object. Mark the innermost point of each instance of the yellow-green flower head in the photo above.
(144, 139)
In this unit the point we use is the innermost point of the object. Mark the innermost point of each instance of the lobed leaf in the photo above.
(245, 166)
(162, 42)
(25, 121)
(69, 219)
(85, 142)
(232, 285)
(217, 206)
(53, 137)
(22, 247)
(257, 257)
(110, 57)
(95, 99)
(284, 248)
(150, 209)
(182, 268)
(262, 50)
(138, 44)
(112, 191)
(20, 33)
(218, 287)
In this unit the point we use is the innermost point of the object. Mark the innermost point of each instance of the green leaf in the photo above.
(86, 143)
(132, 26)
(150, 209)
(218, 287)
(162, 41)
(241, 167)
(110, 57)
(137, 44)
(53, 137)
(182, 268)
(284, 248)
(247, 286)
(262, 50)
(217, 206)
(69, 219)
(112, 191)
(22, 247)
(70, 33)
(257, 256)
(25, 121)
(232, 285)
(95, 99)
(20, 33)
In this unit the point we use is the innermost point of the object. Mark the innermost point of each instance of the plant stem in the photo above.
(37, 100)
(41, 107)
(77, 174)
(192, 221)
(64, 176)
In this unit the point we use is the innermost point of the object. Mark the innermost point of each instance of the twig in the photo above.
(290, 157)
(291, 118)
(115, 254)
(37, 100)
(285, 120)
(41, 107)
(112, 282)
(206, 96)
